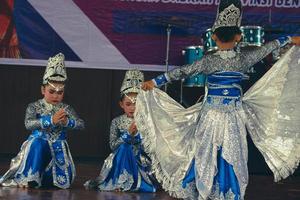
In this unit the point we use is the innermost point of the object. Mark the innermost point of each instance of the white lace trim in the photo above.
(280, 171)
(217, 195)
(272, 105)
(124, 182)
(23, 180)
(173, 187)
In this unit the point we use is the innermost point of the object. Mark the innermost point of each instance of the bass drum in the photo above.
(252, 36)
(208, 43)
(192, 54)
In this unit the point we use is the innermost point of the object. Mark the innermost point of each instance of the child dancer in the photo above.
(201, 152)
(127, 168)
(45, 158)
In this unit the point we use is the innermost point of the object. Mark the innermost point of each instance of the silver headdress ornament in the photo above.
(229, 17)
(132, 82)
(55, 70)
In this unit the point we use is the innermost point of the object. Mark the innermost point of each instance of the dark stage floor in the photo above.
(259, 188)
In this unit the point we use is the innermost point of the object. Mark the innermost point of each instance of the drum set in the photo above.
(191, 54)
(252, 36)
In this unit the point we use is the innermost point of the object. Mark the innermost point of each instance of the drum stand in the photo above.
(181, 91)
(167, 53)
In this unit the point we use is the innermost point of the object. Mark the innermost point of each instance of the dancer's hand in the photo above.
(64, 120)
(59, 116)
(296, 40)
(148, 85)
(132, 128)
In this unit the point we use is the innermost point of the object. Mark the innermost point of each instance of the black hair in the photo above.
(122, 97)
(227, 34)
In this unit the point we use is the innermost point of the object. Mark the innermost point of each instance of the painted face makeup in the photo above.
(128, 104)
(53, 92)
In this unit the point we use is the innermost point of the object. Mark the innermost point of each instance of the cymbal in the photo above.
(166, 21)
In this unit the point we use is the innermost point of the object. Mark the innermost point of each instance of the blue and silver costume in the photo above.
(127, 168)
(201, 152)
(44, 158)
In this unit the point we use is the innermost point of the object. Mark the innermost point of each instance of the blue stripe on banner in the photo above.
(38, 40)
(196, 23)
(157, 22)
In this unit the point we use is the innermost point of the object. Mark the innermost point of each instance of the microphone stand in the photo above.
(167, 53)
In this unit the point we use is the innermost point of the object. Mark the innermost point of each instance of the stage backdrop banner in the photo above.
(121, 34)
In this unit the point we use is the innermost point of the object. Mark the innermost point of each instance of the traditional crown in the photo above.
(230, 16)
(132, 81)
(55, 70)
